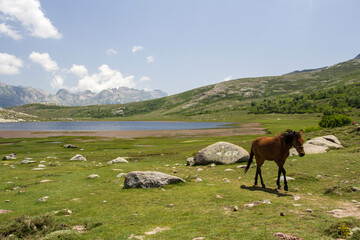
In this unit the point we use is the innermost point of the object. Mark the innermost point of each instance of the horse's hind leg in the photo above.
(278, 178)
(259, 163)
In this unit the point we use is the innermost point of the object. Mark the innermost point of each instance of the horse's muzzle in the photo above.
(301, 154)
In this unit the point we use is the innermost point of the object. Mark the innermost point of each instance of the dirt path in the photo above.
(245, 129)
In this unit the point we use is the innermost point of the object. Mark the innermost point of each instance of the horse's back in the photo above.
(267, 148)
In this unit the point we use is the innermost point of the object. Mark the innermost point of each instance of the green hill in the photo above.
(331, 89)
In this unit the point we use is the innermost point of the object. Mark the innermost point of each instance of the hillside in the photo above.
(310, 88)
(18, 95)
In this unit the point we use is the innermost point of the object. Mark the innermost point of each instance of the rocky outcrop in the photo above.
(319, 145)
(221, 153)
(149, 179)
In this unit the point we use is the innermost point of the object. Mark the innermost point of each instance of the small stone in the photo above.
(226, 180)
(41, 166)
(229, 170)
(37, 169)
(199, 238)
(41, 200)
(167, 165)
(241, 166)
(104, 201)
(235, 208)
(282, 214)
(177, 164)
(171, 205)
(218, 196)
(42, 161)
(249, 205)
(2, 211)
(120, 175)
(45, 181)
(199, 169)
(309, 210)
(190, 161)
(296, 198)
(355, 189)
(309, 194)
(197, 179)
(297, 205)
(70, 146)
(213, 165)
(7, 200)
(93, 176)
(27, 161)
(267, 201)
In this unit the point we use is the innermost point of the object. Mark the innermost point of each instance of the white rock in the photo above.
(287, 178)
(41, 166)
(120, 175)
(93, 176)
(78, 157)
(118, 160)
(229, 170)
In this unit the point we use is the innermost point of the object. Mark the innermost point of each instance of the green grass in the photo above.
(196, 212)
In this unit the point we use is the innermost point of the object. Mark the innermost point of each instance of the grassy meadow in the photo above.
(104, 210)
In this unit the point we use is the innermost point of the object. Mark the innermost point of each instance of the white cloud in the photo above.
(137, 48)
(57, 82)
(31, 16)
(9, 64)
(150, 59)
(111, 51)
(8, 31)
(106, 78)
(44, 60)
(144, 79)
(79, 70)
(228, 78)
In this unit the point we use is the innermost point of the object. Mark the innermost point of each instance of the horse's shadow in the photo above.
(268, 190)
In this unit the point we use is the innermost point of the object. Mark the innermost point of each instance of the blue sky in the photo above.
(172, 45)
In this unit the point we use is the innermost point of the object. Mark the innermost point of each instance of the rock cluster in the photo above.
(319, 145)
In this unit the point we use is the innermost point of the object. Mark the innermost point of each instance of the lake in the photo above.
(108, 126)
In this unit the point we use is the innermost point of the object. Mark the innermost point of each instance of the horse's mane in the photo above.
(288, 135)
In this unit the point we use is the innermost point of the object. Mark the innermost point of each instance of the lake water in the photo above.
(108, 126)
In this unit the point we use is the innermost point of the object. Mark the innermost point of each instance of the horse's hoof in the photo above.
(286, 188)
(263, 186)
(279, 188)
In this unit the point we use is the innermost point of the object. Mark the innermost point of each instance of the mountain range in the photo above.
(18, 95)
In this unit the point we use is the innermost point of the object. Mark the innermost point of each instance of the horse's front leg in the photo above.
(285, 181)
(256, 177)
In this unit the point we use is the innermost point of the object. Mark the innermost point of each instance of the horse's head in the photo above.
(298, 142)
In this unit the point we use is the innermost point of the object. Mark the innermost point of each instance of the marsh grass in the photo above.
(189, 210)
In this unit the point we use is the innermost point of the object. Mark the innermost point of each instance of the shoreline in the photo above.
(245, 129)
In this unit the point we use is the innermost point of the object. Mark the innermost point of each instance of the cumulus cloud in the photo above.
(9, 64)
(150, 59)
(111, 51)
(228, 78)
(137, 48)
(104, 79)
(31, 16)
(144, 79)
(79, 70)
(44, 60)
(9, 31)
(57, 82)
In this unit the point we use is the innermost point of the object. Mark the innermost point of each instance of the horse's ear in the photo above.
(301, 132)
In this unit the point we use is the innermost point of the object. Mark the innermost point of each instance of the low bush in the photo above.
(333, 121)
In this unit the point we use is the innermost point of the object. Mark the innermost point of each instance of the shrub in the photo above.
(339, 230)
(333, 121)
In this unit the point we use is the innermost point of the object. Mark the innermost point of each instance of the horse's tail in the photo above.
(249, 161)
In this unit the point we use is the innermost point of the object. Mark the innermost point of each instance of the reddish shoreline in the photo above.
(245, 129)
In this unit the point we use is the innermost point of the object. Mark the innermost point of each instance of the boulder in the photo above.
(78, 157)
(118, 160)
(149, 179)
(319, 145)
(221, 153)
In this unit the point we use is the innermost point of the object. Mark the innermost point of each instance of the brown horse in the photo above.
(275, 149)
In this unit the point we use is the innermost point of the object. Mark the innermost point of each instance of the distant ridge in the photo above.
(308, 70)
(357, 57)
(18, 95)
